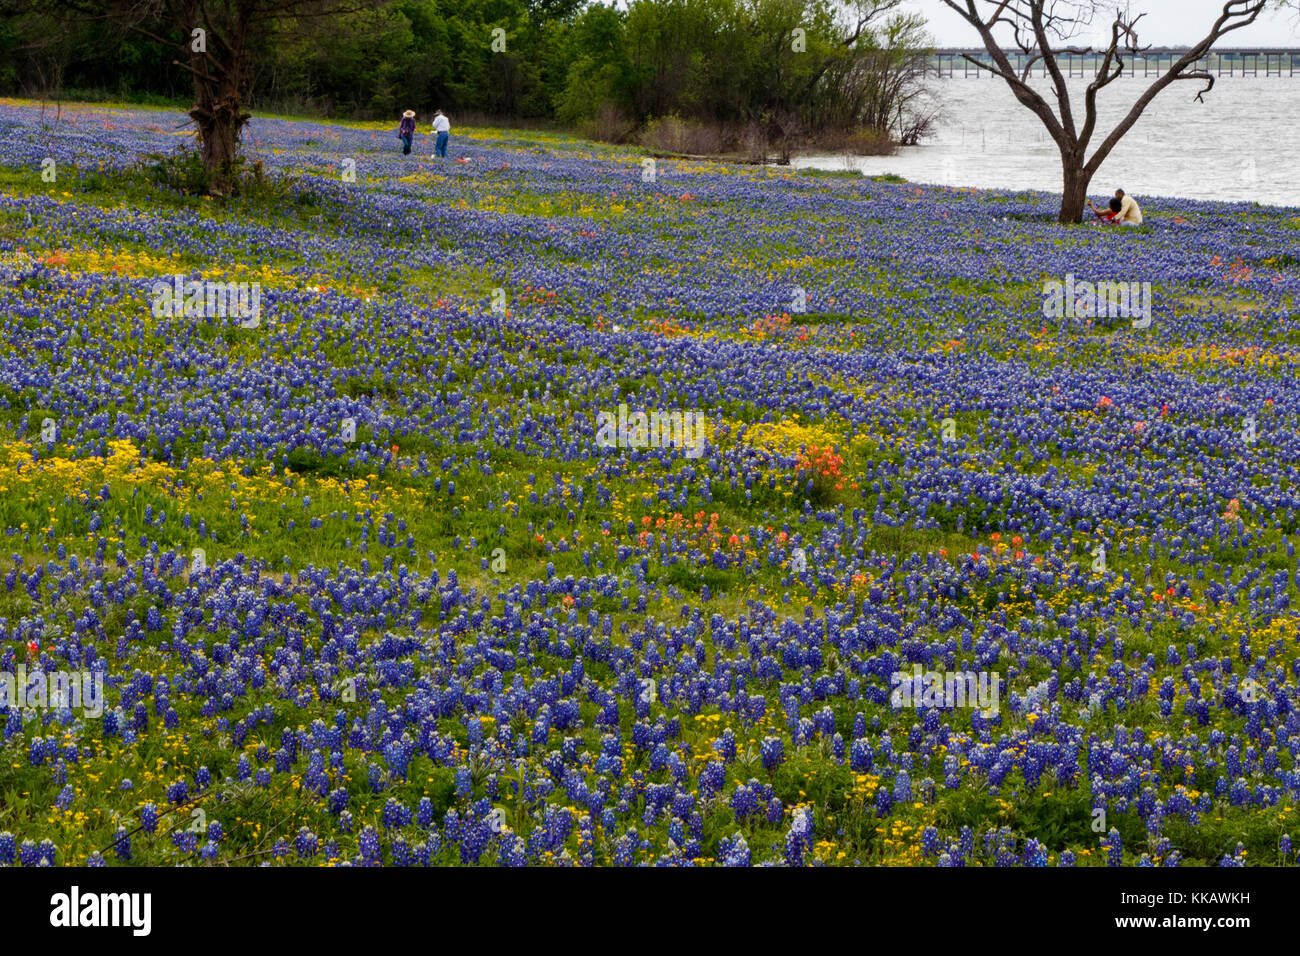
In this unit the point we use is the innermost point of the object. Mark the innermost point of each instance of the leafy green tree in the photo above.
(784, 67)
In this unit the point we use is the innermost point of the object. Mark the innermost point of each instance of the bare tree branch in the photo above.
(1041, 30)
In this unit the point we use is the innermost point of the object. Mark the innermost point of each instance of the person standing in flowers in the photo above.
(406, 132)
(442, 127)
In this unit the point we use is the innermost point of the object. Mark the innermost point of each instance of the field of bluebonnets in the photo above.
(474, 635)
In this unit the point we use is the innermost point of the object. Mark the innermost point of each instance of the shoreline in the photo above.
(892, 176)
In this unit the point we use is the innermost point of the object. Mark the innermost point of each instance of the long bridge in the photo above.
(1149, 63)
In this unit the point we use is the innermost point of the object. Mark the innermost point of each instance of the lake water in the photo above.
(1241, 144)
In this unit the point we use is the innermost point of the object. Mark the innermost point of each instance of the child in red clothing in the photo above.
(1109, 216)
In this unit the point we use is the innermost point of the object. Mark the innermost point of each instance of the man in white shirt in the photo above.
(442, 127)
(1130, 213)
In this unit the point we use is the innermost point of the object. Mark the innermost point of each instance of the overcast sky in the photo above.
(1168, 23)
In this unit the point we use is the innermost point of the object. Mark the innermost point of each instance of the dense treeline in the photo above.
(695, 75)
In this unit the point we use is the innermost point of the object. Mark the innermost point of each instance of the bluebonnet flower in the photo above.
(121, 845)
(929, 841)
(1114, 848)
(306, 843)
(799, 838)
(368, 844)
(773, 753)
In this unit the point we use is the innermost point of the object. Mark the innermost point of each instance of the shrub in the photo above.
(607, 125)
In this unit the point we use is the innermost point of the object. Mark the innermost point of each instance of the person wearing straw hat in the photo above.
(406, 132)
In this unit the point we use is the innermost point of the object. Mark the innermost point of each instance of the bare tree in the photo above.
(1042, 30)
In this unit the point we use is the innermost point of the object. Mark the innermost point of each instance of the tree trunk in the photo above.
(218, 109)
(219, 116)
(1074, 197)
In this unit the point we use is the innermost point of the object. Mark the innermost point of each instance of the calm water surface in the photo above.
(1241, 144)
